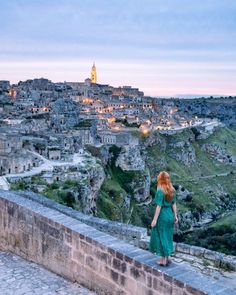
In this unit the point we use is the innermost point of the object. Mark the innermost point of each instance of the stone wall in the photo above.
(88, 256)
(134, 235)
(219, 260)
(128, 232)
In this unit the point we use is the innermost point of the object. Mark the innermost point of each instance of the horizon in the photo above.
(163, 49)
(182, 96)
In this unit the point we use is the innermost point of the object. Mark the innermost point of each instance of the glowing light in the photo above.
(145, 131)
(87, 100)
(111, 120)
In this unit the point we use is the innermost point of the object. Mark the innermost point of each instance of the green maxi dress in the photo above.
(161, 240)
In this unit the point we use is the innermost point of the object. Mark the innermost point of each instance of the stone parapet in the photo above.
(127, 232)
(217, 258)
(88, 256)
(133, 234)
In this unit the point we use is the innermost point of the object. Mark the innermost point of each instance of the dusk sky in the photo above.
(164, 47)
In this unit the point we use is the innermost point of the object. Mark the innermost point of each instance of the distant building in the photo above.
(117, 137)
(4, 85)
(13, 158)
(94, 74)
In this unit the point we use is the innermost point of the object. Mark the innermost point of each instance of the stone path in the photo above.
(20, 277)
(47, 165)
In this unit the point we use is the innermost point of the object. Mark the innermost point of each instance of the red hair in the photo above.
(164, 183)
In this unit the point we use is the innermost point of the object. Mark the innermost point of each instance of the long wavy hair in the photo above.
(164, 183)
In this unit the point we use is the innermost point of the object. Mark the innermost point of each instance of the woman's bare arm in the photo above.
(157, 212)
(174, 208)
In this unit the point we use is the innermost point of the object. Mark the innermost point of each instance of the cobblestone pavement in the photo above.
(20, 277)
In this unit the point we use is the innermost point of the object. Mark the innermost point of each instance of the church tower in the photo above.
(93, 74)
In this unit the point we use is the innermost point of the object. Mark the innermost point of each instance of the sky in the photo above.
(164, 47)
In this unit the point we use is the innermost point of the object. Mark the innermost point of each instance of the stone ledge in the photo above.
(133, 234)
(219, 259)
(101, 262)
(128, 232)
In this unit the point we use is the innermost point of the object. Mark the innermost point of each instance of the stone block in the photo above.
(78, 257)
(193, 291)
(183, 248)
(210, 255)
(91, 262)
(137, 274)
(197, 251)
(149, 280)
(103, 256)
(86, 248)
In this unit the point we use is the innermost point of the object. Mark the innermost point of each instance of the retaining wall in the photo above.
(93, 258)
(135, 235)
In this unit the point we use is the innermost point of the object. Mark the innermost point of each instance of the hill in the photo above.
(202, 171)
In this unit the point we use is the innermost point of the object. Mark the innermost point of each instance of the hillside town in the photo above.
(42, 121)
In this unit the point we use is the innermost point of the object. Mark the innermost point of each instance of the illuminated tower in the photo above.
(93, 74)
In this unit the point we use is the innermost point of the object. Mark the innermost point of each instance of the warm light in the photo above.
(145, 131)
(111, 120)
(12, 93)
(87, 100)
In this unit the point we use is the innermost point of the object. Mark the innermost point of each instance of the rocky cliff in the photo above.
(223, 109)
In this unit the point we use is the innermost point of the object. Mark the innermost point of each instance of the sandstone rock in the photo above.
(219, 153)
(90, 189)
(184, 152)
(130, 159)
(183, 193)
(141, 186)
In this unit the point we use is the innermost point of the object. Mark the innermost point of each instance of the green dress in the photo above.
(161, 240)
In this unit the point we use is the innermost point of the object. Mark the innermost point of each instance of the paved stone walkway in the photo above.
(20, 277)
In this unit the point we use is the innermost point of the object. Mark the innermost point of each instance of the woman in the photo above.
(161, 241)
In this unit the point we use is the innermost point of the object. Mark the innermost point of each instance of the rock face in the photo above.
(223, 109)
(183, 194)
(155, 139)
(141, 186)
(90, 189)
(219, 153)
(184, 152)
(130, 159)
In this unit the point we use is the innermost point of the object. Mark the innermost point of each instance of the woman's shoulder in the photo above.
(160, 191)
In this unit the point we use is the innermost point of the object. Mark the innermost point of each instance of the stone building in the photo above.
(13, 158)
(117, 137)
(65, 114)
(94, 74)
(4, 85)
(54, 153)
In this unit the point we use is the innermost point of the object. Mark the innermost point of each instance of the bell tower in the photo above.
(93, 74)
